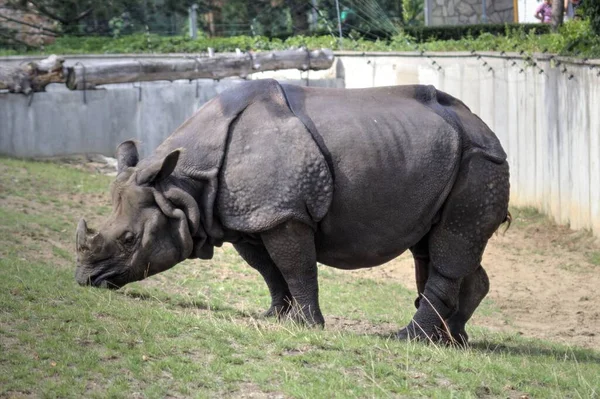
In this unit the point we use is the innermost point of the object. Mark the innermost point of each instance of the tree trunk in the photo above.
(33, 76)
(89, 76)
(299, 14)
(558, 12)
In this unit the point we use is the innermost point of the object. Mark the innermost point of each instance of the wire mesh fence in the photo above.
(46, 19)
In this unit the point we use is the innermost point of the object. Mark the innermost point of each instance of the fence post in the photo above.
(193, 12)
(484, 18)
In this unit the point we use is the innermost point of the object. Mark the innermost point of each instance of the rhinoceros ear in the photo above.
(159, 170)
(127, 155)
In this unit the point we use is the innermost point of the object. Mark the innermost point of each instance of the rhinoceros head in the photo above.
(148, 230)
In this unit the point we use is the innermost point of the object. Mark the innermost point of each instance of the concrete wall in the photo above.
(547, 121)
(60, 121)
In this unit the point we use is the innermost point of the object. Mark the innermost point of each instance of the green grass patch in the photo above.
(595, 258)
(195, 330)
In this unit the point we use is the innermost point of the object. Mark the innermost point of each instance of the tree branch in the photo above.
(12, 38)
(50, 31)
(43, 10)
(83, 14)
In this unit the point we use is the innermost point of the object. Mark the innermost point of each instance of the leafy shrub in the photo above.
(457, 32)
(575, 38)
(591, 9)
(445, 32)
(412, 12)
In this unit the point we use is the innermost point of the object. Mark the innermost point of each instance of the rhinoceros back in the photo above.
(476, 135)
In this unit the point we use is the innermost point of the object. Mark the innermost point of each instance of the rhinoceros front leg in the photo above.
(420, 253)
(291, 245)
(258, 257)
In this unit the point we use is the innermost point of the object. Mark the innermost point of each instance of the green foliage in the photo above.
(117, 26)
(117, 17)
(259, 17)
(575, 38)
(591, 9)
(449, 32)
(412, 12)
(458, 32)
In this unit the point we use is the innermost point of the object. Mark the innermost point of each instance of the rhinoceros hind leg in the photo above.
(258, 257)
(438, 302)
(291, 245)
(477, 205)
(473, 289)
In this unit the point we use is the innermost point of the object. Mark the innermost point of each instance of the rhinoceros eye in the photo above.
(128, 238)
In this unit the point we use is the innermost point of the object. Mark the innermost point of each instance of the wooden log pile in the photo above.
(36, 75)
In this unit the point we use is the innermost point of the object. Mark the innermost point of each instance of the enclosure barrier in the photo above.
(543, 108)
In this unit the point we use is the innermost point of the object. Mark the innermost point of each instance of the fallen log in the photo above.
(33, 76)
(81, 76)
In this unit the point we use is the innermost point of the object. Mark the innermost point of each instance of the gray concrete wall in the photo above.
(547, 121)
(62, 122)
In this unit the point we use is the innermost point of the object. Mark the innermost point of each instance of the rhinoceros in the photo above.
(292, 176)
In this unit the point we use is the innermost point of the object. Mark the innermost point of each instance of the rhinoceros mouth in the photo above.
(105, 280)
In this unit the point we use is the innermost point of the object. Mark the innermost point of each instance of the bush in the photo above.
(458, 32)
(450, 32)
(591, 8)
(575, 38)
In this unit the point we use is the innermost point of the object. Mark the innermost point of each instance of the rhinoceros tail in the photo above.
(507, 220)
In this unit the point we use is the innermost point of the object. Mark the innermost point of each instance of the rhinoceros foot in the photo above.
(457, 337)
(441, 336)
(296, 313)
(278, 310)
(409, 333)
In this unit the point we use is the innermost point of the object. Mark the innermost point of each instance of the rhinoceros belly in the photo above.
(394, 162)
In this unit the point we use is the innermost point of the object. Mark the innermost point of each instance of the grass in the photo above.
(195, 330)
(536, 223)
(595, 258)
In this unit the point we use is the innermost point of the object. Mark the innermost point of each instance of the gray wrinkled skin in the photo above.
(294, 176)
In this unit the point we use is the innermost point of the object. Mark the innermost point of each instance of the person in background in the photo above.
(570, 7)
(544, 12)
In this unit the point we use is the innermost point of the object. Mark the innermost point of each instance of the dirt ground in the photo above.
(542, 279)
